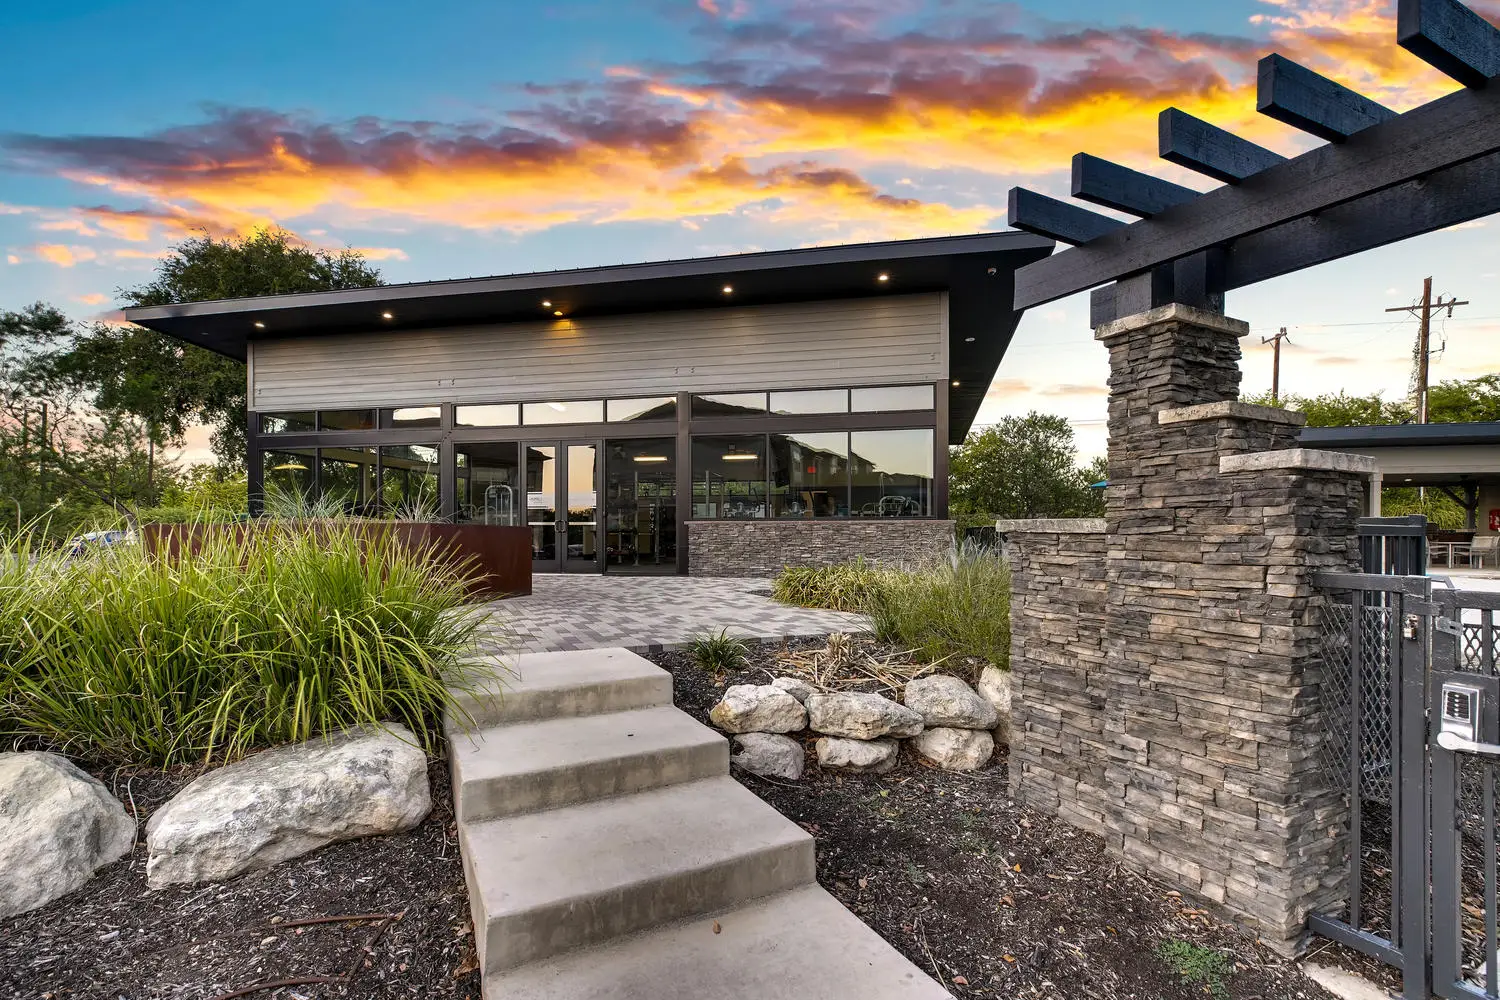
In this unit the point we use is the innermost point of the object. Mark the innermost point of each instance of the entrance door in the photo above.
(562, 506)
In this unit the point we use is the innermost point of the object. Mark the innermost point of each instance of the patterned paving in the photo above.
(647, 613)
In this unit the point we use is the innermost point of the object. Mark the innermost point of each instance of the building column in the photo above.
(1377, 483)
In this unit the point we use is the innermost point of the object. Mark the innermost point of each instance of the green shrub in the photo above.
(849, 587)
(1198, 966)
(718, 653)
(959, 607)
(270, 637)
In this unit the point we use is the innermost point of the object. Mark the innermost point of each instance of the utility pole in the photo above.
(1423, 312)
(1275, 343)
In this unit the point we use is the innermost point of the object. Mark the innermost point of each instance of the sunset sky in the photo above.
(449, 139)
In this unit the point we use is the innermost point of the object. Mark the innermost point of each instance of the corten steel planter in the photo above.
(500, 557)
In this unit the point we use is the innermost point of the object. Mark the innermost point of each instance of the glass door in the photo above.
(562, 506)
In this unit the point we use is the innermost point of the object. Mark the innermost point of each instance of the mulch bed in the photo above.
(117, 939)
(991, 898)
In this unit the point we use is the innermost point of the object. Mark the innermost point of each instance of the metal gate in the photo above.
(1412, 699)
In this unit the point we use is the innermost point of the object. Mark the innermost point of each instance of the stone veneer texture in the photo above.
(754, 548)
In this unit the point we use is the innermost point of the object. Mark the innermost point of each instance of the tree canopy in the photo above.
(1021, 467)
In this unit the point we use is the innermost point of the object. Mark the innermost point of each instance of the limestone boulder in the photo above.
(286, 802)
(58, 825)
(758, 708)
(945, 701)
(995, 688)
(956, 749)
(768, 755)
(873, 756)
(861, 716)
(796, 687)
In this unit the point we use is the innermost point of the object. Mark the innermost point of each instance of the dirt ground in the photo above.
(117, 939)
(993, 899)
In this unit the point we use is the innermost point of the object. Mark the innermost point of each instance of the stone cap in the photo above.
(1231, 408)
(1052, 525)
(1176, 312)
(1299, 458)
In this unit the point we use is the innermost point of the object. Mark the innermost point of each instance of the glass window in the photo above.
(729, 476)
(573, 411)
(489, 484)
(492, 415)
(811, 401)
(892, 473)
(349, 479)
(892, 397)
(645, 408)
(640, 502)
(729, 404)
(409, 482)
(346, 420)
(287, 481)
(287, 423)
(810, 475)
(412, 416)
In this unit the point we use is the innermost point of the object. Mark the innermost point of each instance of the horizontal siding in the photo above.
(853, 342)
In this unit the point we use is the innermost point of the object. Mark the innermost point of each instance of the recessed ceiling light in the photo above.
(728, 289)
(955, 383)
(882, 276)
(546, 303)
(259, 325)
(968, 340)
(386, 316)
(557, 312)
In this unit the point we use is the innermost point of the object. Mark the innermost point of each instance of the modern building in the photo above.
(727, 414)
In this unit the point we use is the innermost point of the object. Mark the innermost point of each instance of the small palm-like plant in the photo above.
(718, 654)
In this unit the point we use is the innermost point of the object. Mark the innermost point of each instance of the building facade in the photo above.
(612, 410)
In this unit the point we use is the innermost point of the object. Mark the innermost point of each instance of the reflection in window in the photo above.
(412, 416)
(409, 482)
(648, 408)
(349, 479)
(287, 423)
(640, 502)
(810, 475)
(493, 415)
(729, 476)
(573, 411)
(892, 473)
(288, 481)
(892, 397)
(729, 404)
(489, 484)
(811, 401)
(346, 420)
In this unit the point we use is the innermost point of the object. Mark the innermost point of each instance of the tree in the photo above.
(1339, 409)
(168, 384)
(1019, 468)
(1456, 401)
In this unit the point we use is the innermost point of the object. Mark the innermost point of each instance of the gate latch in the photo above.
(1459, 719)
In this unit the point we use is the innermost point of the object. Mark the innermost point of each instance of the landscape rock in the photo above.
(769, 755)
(758, 708)
(874, 756)
(861, 716)
(286, 802)
(956, 749)
(945, 701)
(995, 688)
(58, 825)
(796, 687)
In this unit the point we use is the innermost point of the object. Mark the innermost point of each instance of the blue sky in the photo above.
(451, 139)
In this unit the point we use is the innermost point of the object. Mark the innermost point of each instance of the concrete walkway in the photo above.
(645, 613)
(610, 856)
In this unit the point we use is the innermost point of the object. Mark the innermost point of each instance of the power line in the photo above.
(1275, 343)
(1423, 311)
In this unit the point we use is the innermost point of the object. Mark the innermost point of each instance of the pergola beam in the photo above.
(1104, 183)
(1194, 143)
(1057, 220)
(1442, 134)
(1450, 37)
(1295, 95)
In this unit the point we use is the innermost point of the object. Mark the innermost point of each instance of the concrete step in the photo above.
(801, 943)
(560, 685)
(527, 767)
(546, 883)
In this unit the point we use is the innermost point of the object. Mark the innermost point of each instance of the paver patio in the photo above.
(644, 614)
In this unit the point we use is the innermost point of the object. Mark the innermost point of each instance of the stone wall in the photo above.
(1191, 744)
(753, 548)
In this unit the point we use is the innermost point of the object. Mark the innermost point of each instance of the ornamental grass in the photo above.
(260, 637)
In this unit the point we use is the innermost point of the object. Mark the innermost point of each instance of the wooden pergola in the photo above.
(1379, 178)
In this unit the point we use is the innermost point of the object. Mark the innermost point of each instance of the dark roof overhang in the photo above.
(1402, 435)
(978, 272)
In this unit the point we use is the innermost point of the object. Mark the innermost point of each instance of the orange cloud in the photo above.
(62, 256)
(382, 253)
(93, 299)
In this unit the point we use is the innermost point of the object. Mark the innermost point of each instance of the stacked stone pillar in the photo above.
(1191, 741)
